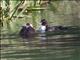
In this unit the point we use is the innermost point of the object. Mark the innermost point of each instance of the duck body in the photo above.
(42, 29)
(27, 32)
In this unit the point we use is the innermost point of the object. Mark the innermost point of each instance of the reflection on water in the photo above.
(57, 47)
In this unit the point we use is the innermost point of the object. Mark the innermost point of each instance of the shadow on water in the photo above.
(55, 47)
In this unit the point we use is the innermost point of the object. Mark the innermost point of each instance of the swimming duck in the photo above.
(27, 31)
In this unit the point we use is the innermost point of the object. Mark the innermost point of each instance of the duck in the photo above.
(27, 31)
(44, 26)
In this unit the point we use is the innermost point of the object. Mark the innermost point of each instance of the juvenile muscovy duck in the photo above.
(27, 31)
(44, 26)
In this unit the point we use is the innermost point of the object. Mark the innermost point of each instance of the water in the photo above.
(55, 47)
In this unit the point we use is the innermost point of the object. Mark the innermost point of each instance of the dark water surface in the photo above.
(56, 47)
